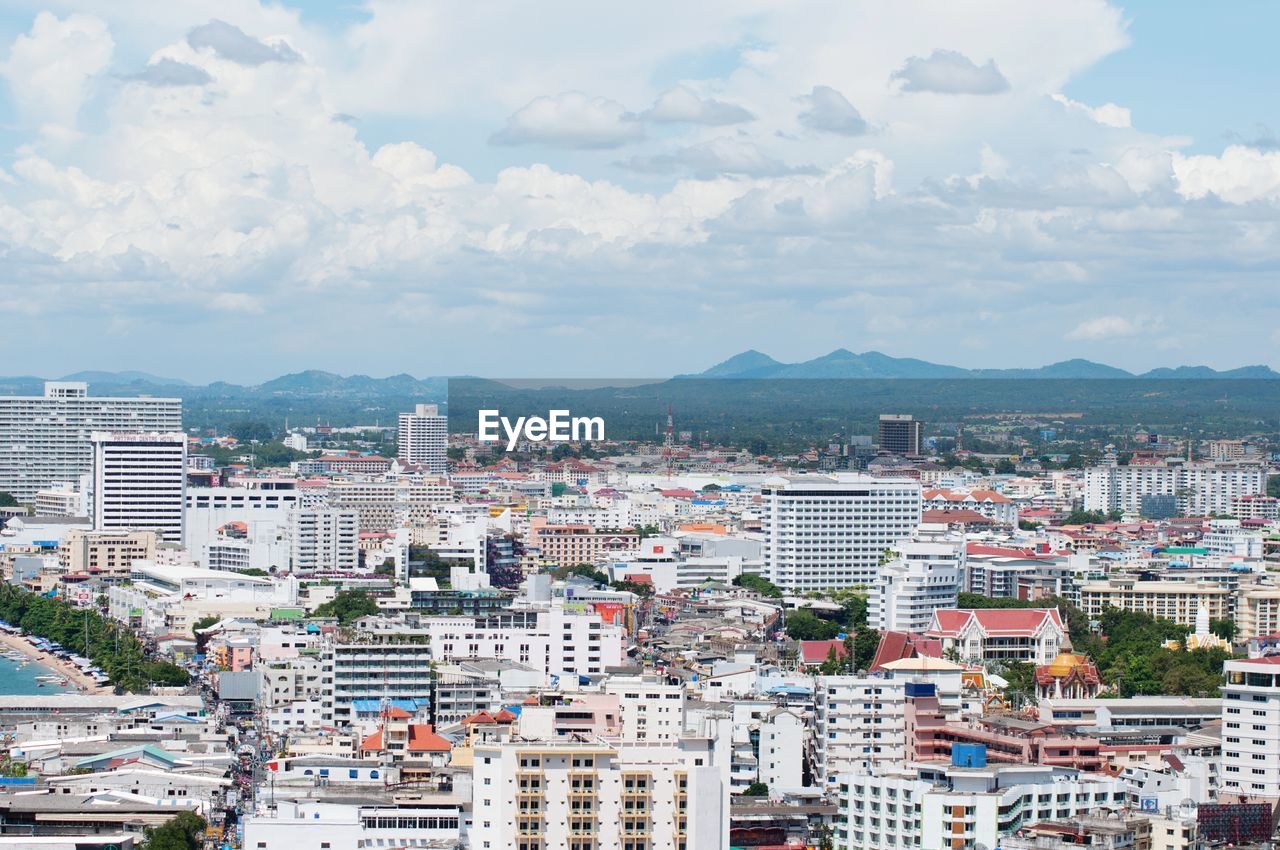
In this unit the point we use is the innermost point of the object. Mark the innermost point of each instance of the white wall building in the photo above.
(324, 539)
(859, 721)
(140, 482)
(1200, 488)
(45, 439)
(423, 438)
(923, 576)
(825, 531)
(1251, 730)
(553, 640)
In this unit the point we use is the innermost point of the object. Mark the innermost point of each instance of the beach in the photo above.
(74, 675)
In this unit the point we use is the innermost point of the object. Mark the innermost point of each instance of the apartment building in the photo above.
(554, 641)
(651, 710)
(392, 663)
(831, 531)
(923, 576)
(105, 553)
(423, 439)
(1251, 730)
(1200, 488)
(45, 439)
(1179, 601)
(569, 545)
(945, 807)
(384, 505)
(540, 795)
(899, 433)
(324, 539)
(997, 507)
(859, 721)
(140, 482)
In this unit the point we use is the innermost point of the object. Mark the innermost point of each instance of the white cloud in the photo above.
(1240, 175)
(1104, 328)
(168, 72)
(234, 44)
(50, 67)
(831, 112)
(1108, 114)
(570, 120)
(950, 72)
(682, 105)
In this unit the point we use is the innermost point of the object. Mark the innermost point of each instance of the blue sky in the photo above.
(235, 190)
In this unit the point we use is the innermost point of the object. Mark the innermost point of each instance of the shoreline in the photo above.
(73, 674)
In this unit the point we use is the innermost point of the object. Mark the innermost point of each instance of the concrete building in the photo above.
(859, 721)
(324, 539)
(650, 710)
(832, 531)
(923, 576)
(1179, 601)
(385, 505)
(423, 439)
(554, 641)
(140, 482)
(45, 439)
(531, 795)
(1251, 730)
(1200, 488)
(899, 434)
(374, 665)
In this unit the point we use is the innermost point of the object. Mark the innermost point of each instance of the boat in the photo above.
(52, 679)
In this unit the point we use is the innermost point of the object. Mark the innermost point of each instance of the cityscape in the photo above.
(800, 425)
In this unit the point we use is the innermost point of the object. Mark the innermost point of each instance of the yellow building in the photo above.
(1169, 600)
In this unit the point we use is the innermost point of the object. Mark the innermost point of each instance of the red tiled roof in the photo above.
(895, 646)
(817, 651)
(373, 743)
(965, 515)
(1003, 621)
(423, 739)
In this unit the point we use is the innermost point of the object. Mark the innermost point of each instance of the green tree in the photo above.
(203, 623)
(758, 584)
(7, 500)
(1225, 629)
(183, 832)
(756, 789)
(583, 570)
(804, 625)
(348, 606)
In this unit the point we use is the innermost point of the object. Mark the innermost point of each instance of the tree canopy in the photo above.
(348, 605)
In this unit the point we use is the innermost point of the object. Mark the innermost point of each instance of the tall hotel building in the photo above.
(45, 439)
(424, 438)
(140, 482)
(825, 531)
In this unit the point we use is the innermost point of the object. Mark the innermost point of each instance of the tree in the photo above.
(804, 625)
(1225, 629)
(183, 832)
(644, 591)
(863, 645)
(348, 606)
(202, 624)
(758, 584)
(756, 789)
(166, 673)
(582, 570)
(7, 500)
(250, 431)
(1005, 467)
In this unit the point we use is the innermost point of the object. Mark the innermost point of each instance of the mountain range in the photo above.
(843, 363)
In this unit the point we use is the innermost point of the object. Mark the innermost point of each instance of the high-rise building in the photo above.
(1199, 488)
(45, 439)
(1251, 730)
(383, 664)
(324, 539)
(424, 438)
(140, 482)
(823, 531)
(923, 576)
(899, 434)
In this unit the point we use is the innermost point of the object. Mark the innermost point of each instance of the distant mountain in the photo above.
(119, 378)
(843, 363)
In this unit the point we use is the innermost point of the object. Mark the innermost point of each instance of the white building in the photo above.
(313, 825)
(324, 539)
(782, 736)
(923, 576)
(64, 498)
(825, 531)
(45, 439)
(373, 665)
(531, 795)
(140, 482)
(859, 721)
(384, 505)
(297, 442)
(940, 807)
(553, 640)
(650, 710)
(1251, 730)
(423, 438)
(1226, 538)
(1200, 488)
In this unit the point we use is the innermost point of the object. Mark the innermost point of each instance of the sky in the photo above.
(237, 190)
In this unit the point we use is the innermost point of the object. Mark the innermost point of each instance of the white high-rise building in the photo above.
(539, 795)
(859, 722)
(45, 439)
(823, 531)
(424, 438)
(140, 482)
(1200, 488)
(1251, 731)
(923, 576)
(324, 539)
